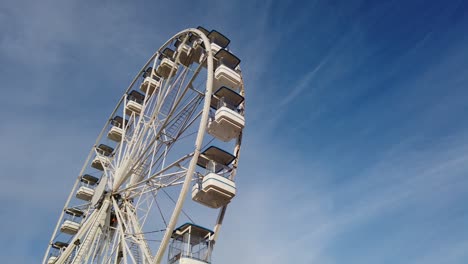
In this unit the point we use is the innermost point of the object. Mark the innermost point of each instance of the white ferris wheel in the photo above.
(177, 130)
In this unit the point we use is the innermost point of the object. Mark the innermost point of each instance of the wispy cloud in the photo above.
(286, 211)
(303, 83)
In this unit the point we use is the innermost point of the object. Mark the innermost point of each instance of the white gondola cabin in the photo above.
(85, 193)
(150, 85)
(225, 73)
(99, 162)
(102, 158)
(134, 103)
(190, 244)
(70, 227)
(151, 82)
(227, 122)
(184, 51)
(214, 190)
(116, 131)
(198, 50)
(104, 150)
(73, 215)
(167, 68)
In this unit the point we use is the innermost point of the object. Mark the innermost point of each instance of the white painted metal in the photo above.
(198, 145)
(134, 107)
(100, 162)
(215, 48)
(115, 133)
(184, 56)
(70, 227)
(167, 68)
(227, 124)
(99, 191)
(214, 191)
(224, 76)
(52, 260)
(185, 260)
(149, 85)
(147, 163)
(222, 212)
(197, 52)
(202, 59)
(85, 193)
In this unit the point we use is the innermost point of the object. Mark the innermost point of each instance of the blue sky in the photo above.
(355, 148)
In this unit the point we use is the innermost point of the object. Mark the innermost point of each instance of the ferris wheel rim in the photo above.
(198, 143)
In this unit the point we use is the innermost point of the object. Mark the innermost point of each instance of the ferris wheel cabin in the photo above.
(71, 225)
(191, 244)
(214, 190)
(226, 74)
(227, 122)
(167, 68)
(86, 192)
(151, 82)
(99, 162)
(197, 49)
(184, 51)
(102, 158)
(134, 103)
(116, 131)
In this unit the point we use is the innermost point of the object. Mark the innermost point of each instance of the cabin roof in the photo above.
(139, 97)
(166, 53)
(74, 211)
(215, 154)
(230, 96)
(227, 58)
(219, 39)
(193, 229)
(106, 150)
(89, 179)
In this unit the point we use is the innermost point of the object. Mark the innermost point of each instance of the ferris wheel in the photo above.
(176, 130)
